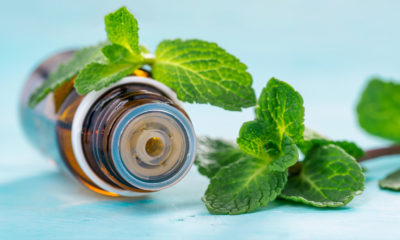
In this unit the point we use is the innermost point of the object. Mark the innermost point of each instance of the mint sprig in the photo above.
(199, 71)
(254, 180)
(123, 54)
(246, 177)
(378, 112)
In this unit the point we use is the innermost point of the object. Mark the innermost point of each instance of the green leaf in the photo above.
(213, 154)
(67, 71)
(122, 29)
(243, 186)
(287, 157)
(97, 76)
(391, 181)
(329, 178)
(378, 109)
(313, 139)
(203, 72)
(282, 107)
(257, 139)
(118, 54)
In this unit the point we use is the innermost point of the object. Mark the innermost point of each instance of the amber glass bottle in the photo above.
(129, 138)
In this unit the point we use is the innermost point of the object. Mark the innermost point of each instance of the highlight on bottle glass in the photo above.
(127, 139)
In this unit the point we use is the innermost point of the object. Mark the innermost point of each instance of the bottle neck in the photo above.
(136, 138)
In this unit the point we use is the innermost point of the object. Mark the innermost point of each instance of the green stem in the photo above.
(148, 59)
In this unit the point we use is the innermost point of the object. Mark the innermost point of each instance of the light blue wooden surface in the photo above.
(326, 50)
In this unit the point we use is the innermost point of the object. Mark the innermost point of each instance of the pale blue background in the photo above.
(325, 49)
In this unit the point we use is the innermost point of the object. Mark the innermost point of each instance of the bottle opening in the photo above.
(154, 146)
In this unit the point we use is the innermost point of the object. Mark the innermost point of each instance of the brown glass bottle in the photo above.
(129, 138)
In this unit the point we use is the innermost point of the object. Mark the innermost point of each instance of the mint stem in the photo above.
(369, 154)
(380, 152)
(149, 59)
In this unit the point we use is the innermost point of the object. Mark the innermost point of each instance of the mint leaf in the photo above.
(213, 154)
(203, 72)
(282, 107)
(122, 29)
(118, 54)
(67, 71)
(287, 157)
(391, 181)
(97, 76)
(258, 140)
(378, 109)
(312, 139)
(243, 186)
(329, 178)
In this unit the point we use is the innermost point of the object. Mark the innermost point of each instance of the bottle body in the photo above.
(129, 138)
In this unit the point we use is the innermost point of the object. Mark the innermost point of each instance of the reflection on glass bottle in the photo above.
(131, 137)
